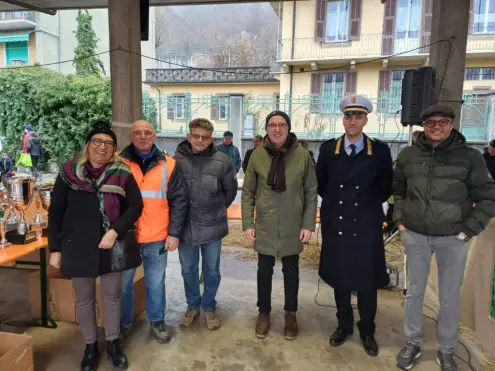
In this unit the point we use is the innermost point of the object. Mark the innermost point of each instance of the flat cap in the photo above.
(356, 103)
(438, 109)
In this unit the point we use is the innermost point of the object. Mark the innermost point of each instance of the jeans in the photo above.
(36, 161)
(189, 262)
(451, 256)
(290, 269)
(154, 265)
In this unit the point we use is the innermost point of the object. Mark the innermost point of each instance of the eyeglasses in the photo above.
(274, 125)
(204, 138)
(98, 142)
(431, 123)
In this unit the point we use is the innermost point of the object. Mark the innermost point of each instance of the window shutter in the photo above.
(170, 108)
(214, 108)
(471, 16)
(321, 20)
(355, 19)
(426, 27)
(388, 36)
(350, 83)
(385, 81)
(316, 82)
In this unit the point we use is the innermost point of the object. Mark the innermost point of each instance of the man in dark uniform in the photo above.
(354, 179)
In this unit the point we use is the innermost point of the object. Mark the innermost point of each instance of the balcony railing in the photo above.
(368, 46)
(12, 16)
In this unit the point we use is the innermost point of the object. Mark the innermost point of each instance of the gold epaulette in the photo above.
(368, 146)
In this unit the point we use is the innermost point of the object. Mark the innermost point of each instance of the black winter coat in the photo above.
(353, 191)
(490, 163)
(212, 188)
(75, 227)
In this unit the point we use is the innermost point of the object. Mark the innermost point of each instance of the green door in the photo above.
(17, 51)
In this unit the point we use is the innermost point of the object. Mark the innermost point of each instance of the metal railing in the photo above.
(370, 45)
(10, 16)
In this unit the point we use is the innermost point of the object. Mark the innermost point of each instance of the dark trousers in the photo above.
(36, 164)
(290, 269)
(367, 302)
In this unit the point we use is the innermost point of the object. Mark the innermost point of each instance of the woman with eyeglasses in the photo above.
(94, 187)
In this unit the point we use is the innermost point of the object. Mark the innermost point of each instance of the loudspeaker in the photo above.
(418, 93)
(144, 7)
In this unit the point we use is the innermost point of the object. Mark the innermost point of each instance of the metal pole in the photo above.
(409, 143)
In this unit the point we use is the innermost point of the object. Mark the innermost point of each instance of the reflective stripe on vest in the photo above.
(162, 192)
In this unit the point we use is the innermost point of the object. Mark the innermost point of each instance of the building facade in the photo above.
(184, 94)
(29, 37)
(331, 48)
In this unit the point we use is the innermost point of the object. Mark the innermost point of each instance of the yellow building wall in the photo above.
(32, 49)
(200, 107)
(2, 54)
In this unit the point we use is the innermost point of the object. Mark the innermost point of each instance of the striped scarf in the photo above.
(110, 185)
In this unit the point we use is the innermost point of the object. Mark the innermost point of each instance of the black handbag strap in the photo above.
(106, 221)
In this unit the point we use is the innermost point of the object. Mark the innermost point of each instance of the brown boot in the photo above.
(290, 330)
(262, 325)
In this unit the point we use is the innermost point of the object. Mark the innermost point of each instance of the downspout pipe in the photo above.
(294, 10)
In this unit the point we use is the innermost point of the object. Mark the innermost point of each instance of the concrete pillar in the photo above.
(450, 21)
(125, 67)
(236, 118)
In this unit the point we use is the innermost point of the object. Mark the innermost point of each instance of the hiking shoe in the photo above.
(188, 317)
(262, 325)
(212, 320)
(291, 329)
(446, 362)
(159, 331)
(406, 359)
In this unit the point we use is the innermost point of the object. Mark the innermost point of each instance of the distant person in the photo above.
(35, 149)
(230, 150)
(489, 156)
(256, 143)
(27, 132)
(6, 164)
(305, 144)
(415, 136)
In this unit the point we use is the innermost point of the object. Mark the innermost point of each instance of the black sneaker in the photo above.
(159, 331)
(406, 359)
(446, 362)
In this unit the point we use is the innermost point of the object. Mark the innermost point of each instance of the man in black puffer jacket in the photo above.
(444, 195)
(212, 188)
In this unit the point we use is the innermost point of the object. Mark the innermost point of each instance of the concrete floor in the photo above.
(234, 347)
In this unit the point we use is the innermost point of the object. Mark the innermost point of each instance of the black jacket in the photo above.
(6, 165)
(435, 188)
(212, 187)
(34, 146)
(75, 227)
(353, 191)
(178, 201)
(490, 163)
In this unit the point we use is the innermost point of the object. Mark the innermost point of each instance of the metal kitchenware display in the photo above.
(5, 198)
(21, 190)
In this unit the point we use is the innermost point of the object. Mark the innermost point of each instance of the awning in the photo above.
(10, 37)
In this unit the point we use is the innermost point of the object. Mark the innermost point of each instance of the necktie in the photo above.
(353, 150)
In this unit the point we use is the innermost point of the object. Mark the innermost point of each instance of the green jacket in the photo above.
(280, 216)
(435, 188)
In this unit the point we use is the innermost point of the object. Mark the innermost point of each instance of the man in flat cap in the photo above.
(489, 156)
(354, 179)
(437, 182)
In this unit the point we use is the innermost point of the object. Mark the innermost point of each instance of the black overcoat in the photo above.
(353, 191)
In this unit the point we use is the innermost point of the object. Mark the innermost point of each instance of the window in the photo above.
(337, 20)
(333, 91)
(16, 53)
(223, 108)
(408, 22)
(484, 16)
(396, 91)
(480, 73)
(179, 108)
(176, 107)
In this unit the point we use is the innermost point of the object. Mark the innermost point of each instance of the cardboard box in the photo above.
(62, 299)
(16, 352)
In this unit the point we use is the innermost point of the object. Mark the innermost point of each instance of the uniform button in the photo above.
(355, 204)
(354, 234)
(357, 187)
(340, 217)
(340, 233)
(341, 186)
(340, 202)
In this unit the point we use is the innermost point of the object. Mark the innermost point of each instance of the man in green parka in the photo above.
(280, 184)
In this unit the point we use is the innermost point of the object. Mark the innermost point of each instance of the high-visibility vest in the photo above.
(153, 224)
